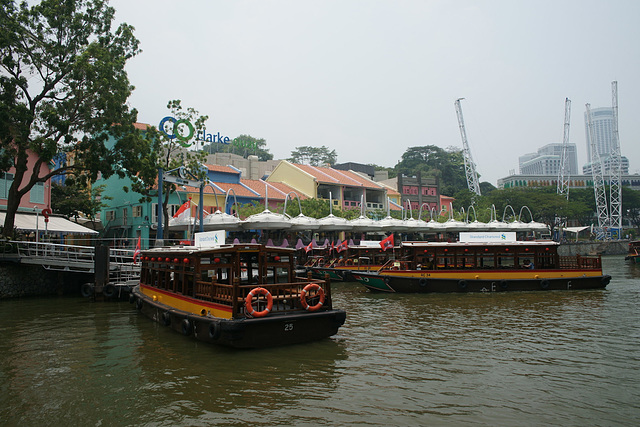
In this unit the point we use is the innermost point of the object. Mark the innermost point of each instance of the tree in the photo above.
(631, 206)
(173, 141)
(243, 145)
(64, 89)
(74, 199)
(314, 156)
(446, 165)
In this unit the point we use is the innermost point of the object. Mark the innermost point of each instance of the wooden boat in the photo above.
(484, 267)
(241, 295)
(634, 252)
(355, 258)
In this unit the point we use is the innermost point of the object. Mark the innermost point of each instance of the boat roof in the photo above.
(186, 249)
(527, 243)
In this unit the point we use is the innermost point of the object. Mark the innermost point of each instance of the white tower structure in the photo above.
(615, 189)
(469, 165)
(598, 181)
(563, 175)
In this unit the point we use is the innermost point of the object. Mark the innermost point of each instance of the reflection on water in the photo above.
(558, 358)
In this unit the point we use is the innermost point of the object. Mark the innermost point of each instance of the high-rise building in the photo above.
(547, 160)
(602, 122)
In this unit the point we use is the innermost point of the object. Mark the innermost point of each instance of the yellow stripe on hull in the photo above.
(494, 274)
(187, 304)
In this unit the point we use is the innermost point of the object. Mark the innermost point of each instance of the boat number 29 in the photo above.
(288, 327)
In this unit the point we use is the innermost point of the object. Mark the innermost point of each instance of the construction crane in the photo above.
(563, 173)
(615, 189)
(469, 165)
(598, 182)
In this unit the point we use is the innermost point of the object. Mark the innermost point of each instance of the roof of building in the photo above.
(335, 176)
(277, 190)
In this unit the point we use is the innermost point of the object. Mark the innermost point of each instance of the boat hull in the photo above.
(269, 331)
(412, 284)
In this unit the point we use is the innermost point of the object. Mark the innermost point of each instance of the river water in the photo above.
(569, 358)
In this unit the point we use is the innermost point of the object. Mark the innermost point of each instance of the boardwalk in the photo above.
(71, 258)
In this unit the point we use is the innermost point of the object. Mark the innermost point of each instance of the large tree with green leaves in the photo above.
(445, 164)
(243, 145)
(174, 141)
(314, 156)
(64, 89)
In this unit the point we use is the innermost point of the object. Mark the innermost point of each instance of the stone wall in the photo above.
(618, 247)
(20, 280)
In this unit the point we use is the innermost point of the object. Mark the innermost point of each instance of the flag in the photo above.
(136, 253)
(184, 212)
(387, 243)
(308, 247)
(342, 246)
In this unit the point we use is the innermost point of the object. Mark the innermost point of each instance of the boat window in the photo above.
(506, 260)
(445, 262)
(486, 260)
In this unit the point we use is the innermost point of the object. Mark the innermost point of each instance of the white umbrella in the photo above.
(300, 222)
(332, 222)
(266, 220)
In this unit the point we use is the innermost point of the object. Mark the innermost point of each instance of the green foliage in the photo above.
(445, 164)
(64, 88)
(243, 145)
(75, 199)
(314, 156)
(631, 206)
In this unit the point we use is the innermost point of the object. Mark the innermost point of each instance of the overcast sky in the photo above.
(372, 78)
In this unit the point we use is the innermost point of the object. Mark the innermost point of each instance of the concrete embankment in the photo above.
(617, 247)
(20, 280)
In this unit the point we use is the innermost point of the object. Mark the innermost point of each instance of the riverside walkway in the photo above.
(70, 258)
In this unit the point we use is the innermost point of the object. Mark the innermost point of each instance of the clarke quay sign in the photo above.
(183, 131)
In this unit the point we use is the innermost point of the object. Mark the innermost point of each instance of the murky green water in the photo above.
(517, 359)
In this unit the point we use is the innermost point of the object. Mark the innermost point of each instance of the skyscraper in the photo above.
(602, 121)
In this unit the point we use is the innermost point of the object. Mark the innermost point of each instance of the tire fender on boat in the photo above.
(423, 282)
(166, 318)
(109, 290)
(303, 296)
(462, 284)
(544, 284)
(605, 280)
(86, 290)
(248, 302)
(504, 285)
(139, 303)
(214, 330)
(187, 327)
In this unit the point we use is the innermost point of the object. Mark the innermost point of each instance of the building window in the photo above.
(6, 179)
(110, 215)
(137, 211)
(36, 194)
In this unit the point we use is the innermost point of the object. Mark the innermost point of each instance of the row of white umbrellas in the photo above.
(267, 220)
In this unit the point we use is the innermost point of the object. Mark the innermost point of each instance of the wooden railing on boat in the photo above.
(286, 296)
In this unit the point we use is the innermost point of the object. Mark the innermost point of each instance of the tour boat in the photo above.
(240, 295)
(484, 267)
(634, 252)
(338, 266)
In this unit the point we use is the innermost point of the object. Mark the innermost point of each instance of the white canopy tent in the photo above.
(27, 222)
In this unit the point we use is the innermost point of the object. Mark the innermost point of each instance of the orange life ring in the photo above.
(249, 302)
(303, 297)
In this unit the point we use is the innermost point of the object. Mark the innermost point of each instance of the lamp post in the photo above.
(35, 209)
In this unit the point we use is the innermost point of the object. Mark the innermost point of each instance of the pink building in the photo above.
(39, 197)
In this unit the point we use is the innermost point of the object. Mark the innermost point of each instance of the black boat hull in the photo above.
(269, 331)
